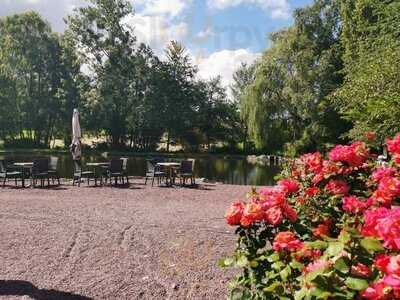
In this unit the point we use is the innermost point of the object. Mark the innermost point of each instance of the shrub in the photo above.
(329, 229)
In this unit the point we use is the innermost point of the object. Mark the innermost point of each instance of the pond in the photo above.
(213, 168)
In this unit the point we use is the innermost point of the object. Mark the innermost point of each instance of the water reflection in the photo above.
(213, 168)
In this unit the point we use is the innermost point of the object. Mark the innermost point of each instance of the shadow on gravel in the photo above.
(25, 288)
(119, 186)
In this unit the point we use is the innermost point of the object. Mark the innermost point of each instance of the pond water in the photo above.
(214, 168)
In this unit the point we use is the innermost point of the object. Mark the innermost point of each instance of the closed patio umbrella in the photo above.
(75, 146)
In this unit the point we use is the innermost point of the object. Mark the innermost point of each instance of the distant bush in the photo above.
(24, 144)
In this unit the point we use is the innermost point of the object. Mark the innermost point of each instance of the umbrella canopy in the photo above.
(76, 136)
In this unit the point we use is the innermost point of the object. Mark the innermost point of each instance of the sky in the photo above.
(218, 34)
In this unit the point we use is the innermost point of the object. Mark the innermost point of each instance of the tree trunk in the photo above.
(168, 141)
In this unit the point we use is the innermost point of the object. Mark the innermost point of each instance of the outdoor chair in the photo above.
(7, 174)
(125, 170)
(53, 169)
(153, 172)
(185, 172)
(115, 171)
(79, 174)
(40, 171)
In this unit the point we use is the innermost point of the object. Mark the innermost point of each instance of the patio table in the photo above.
(96, 166)
(24, 166)
(169, 166)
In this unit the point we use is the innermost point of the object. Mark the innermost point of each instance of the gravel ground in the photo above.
(115, 243)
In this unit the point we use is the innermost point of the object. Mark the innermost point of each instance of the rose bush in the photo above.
(329, 229)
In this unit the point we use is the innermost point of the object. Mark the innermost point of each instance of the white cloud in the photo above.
(170, 8)
(206, 33)
(278, 9)
(157, 31)
(224, 63)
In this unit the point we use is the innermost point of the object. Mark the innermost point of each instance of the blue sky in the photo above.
(219, 34)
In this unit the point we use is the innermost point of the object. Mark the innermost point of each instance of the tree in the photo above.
(30, 67)
(370, 96)
(178, 83)
(288, 101)
(243, 77)
(108, 46)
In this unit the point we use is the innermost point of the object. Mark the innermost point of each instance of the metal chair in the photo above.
(53, 169)
(7, 174)
(186, 172)
(79, 174)
(40, 171)
(115, 171)
(153, 171)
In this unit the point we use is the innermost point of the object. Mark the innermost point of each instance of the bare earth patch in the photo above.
(115, 243)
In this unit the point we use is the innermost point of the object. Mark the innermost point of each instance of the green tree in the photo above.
(108, 46)
(288, 102)
(178, 84)
(370, 96)
(30, 67)
(243, 77)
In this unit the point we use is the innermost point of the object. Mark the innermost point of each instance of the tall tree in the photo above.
(30, 64)
(370, 96)
(178, 84)
(288, 103)
(108, 45)
(243, 77)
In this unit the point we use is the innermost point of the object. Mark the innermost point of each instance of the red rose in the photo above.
(383, 172)
(321, 230)
(372, 219)
(361, 270)
(312, 162)
(382, 197)
(289, 213)
(337, 187)
(311, 192)
(394, 145)
(286, 240)
(274, 216)
(377, 291)
(234, 213)
(353, 205)
(381, 262)
(354, 155)
(396, 158)
(289, 186)
(391, 185)
(252, 213)
(317, 178)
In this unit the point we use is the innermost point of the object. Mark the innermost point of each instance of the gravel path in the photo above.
(115, 243)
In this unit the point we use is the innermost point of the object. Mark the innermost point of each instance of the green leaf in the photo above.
(356, 283)
(242, 261)
(277, 265)
(273, 257)
(254, 264)
(296, 265)
(341, 265)
(272, 287)
(238, 294)
(334, 249)
(312, 275)
(344, 237)
(285, 273)
(299, 295)
(317, 245)
(371, 244)
(225, 262)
